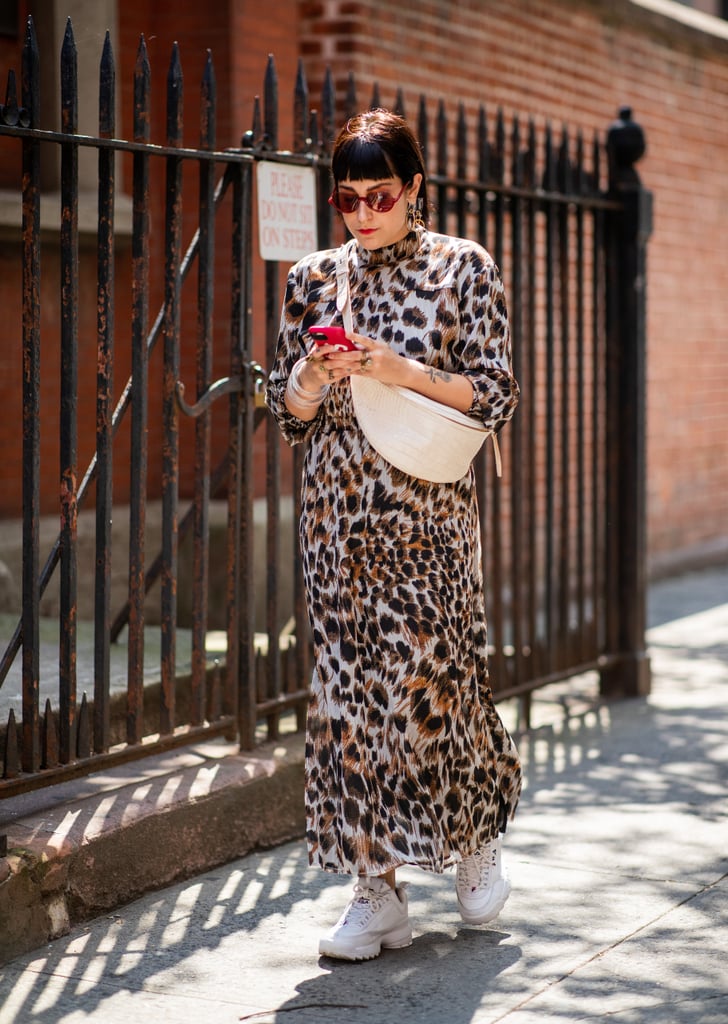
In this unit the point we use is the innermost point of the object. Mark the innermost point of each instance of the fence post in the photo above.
(628, 672)
(31, 406)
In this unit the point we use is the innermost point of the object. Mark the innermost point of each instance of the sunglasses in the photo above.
(379, 202)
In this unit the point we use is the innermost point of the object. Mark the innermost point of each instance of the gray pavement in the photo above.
(619, 910)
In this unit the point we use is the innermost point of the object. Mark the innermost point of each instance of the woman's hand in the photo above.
(371, 358)
(316, 368)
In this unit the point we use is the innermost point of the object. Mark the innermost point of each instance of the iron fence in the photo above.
(564, 554)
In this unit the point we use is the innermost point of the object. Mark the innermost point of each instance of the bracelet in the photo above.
(301, 395)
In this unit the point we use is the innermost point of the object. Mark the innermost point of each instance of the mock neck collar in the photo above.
(402, 249)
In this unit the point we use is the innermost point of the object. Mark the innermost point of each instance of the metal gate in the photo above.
(566, 219)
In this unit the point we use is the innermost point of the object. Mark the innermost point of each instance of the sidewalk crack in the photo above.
(608, 949)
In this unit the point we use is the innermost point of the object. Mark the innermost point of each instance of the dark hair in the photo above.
(379, 144)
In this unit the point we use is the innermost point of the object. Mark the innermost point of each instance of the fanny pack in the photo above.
(416, 434)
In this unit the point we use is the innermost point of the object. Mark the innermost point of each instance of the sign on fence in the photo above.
(286, 211)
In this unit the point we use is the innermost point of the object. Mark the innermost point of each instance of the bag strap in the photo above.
(497, 455)
(343, 293)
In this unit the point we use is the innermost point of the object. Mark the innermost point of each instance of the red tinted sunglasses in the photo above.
(379, 202)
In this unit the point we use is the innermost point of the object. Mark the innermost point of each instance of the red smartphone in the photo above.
(335, 336)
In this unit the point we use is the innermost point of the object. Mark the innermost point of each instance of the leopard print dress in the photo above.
(407, 760)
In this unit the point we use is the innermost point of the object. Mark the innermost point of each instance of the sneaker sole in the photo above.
(394, 940)
(501, 892)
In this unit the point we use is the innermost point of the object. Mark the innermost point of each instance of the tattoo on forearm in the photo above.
(436, 375)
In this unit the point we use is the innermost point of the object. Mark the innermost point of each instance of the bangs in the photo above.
(359, 158)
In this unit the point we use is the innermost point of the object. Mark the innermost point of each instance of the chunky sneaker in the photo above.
(375, 918)
(482, 885)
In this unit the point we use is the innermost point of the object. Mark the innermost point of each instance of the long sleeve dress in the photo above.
(407, 760)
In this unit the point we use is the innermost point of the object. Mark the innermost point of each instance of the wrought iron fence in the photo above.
(563, 531)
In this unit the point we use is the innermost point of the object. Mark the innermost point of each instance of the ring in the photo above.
(365, 362)
(321, 366)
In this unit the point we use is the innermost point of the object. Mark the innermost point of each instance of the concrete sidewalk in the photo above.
(619, 910)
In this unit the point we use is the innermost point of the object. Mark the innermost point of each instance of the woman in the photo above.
(407, 760)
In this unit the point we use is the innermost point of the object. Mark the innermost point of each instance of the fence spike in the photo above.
(441, 139)
(422, 127)
(564, 162)
(174, 98)
(581, 182)
(483, 156)
(462, 143)
(208, 105)
(9, 111)
(399, 103)
(107, 91)
(516, 154)
(270, 93)
(483, 145)
(376, 101)
(69, 79)
(49, 754)
(328, 112)
(597, 162)
(142, 79)
(30, 76)
(300, 111)
(83, 737)
(12, 753)
(531, 156)
(256, 131)
(500, 146)
(352, 104)
(549, 172)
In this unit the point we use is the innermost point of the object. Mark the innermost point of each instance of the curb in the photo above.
(75, 855)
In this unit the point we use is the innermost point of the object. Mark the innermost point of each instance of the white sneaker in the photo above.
(482, 884)
(375, 918)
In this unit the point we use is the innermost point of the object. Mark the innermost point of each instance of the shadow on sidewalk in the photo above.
(439, 978)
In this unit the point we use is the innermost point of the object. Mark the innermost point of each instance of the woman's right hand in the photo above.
(322, 367)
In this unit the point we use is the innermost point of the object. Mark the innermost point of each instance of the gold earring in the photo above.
(414, 215)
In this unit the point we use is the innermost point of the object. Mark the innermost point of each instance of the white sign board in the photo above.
(286, 211)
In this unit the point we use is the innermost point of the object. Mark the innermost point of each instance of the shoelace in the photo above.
(364, 902)
(475, 871)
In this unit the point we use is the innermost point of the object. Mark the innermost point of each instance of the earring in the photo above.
(414, 215)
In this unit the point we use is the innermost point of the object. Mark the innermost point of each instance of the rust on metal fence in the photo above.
(563, 531)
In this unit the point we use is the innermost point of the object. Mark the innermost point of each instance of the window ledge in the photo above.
(11, 214)
(688, 16)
